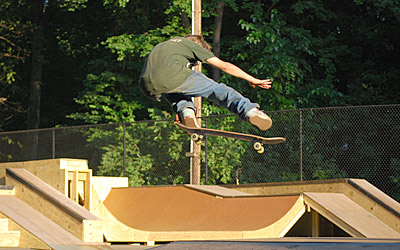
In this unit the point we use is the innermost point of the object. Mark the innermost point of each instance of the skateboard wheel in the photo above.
(195, 137)
(257, 146)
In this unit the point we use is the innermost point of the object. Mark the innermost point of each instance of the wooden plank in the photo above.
(80, 186)
(73, 180)
(377, 195)
(27, 239)
(103, 184)
(52, 171)
(7, 190)
(315, 223)
(360, 191)
(3, 225)
(295, 187)
(47, 170)
(349, 216)
(375, 201)
(217, 190)
(95, 247)
(73, 164)
(35, 222)
(56, 206)
(87, 186)
(9, 239)
(49, 193)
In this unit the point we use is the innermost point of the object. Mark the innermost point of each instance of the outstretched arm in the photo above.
(239, 73)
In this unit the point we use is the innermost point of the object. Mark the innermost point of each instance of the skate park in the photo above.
(59, 204)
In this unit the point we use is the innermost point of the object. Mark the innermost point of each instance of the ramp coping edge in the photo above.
(54, 196)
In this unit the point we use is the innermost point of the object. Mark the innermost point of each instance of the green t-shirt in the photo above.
(169, 65)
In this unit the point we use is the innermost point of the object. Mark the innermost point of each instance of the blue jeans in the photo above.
(198, 84)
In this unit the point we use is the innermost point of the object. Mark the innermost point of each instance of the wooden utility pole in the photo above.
(195, 160)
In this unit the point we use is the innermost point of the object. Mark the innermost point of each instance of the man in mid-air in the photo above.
(167, 73)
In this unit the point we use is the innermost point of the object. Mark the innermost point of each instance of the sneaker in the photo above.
(188, 118)
(259, 119)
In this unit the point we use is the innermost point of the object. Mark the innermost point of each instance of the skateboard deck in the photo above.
(196, 134)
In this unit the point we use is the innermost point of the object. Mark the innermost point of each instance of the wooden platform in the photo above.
(28, 219)
(359, 191)
(349, 216)
(55, 205)
(173, 213)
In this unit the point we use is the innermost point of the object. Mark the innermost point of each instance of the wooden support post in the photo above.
(73, 191)
(80, 187)
(195, 161)
(315, 223)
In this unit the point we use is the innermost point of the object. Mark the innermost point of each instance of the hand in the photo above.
(264, 84)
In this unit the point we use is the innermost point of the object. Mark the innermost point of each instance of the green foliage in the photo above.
(130, 44)
(137, 164)
(107, 100)
(143, 168)
(72, 5)
(14, 49)
(8, 142)
(285, 53)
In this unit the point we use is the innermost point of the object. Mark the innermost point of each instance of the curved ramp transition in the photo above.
(179, 212)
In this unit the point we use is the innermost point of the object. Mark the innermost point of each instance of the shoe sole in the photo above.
(190, 122)
(262, 122)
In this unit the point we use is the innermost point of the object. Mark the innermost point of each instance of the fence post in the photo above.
(124, 153)
(54, 142)
(301, 143)
(206, 151)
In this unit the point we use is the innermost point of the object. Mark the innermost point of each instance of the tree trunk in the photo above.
(36, 65)
(33, 119)
(216, 73)
(185, 20)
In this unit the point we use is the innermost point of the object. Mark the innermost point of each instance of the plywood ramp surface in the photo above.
(218, 190)
(374, 193)
(358, 190)
(48, 192)
(34, 222)
(349, 216)
(178, 208)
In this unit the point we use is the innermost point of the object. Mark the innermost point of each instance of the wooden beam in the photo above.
(195, 161)
(315, 223)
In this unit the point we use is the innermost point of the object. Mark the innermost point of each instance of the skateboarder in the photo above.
(167, 73)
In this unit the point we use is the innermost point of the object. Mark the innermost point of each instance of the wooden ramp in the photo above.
(349, 216)
(51, 219)
(188, 212)
(170, 213)
(360, 191)
(28, 219)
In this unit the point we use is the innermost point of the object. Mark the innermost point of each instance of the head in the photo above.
(199, 39)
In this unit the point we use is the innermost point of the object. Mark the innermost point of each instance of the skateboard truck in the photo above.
(258, 146)
(197, 134)
(198, 139)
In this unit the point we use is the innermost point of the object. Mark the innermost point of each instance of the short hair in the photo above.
(199, 39)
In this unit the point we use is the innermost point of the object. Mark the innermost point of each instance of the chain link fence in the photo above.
(323, 143)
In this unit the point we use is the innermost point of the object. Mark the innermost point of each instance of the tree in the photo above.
(13, 54)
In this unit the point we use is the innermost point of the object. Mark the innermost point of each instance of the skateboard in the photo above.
(196, 134)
